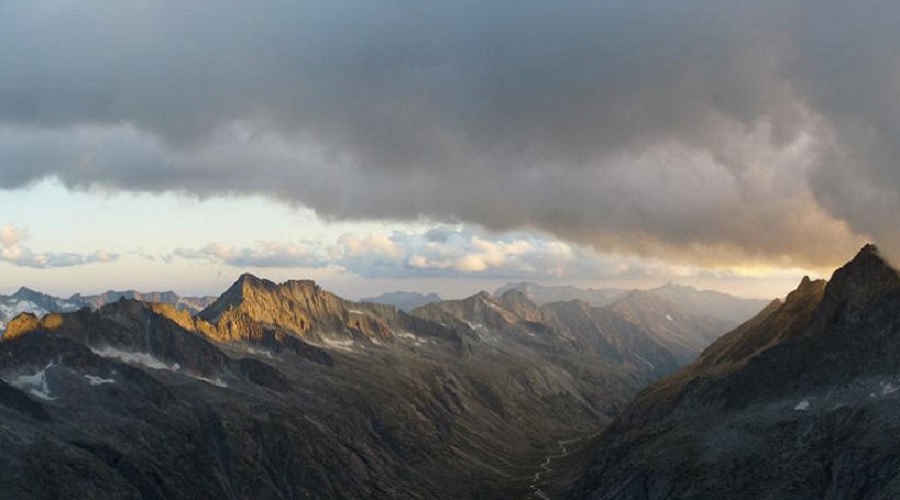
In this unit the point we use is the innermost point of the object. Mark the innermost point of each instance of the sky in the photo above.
(445, 146)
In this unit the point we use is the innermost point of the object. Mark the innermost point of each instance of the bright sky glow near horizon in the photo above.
(159, 229)
(445, 146)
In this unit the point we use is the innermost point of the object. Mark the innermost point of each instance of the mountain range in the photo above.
(728, 308)
(290, 390)
(799, 402)
(287, 390)
(38, 303)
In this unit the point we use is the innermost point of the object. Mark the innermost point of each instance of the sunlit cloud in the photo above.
(460, 252)
(13, 252)
(263, 255)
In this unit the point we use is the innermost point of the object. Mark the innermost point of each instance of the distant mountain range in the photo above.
(540, 294)
(728, 308)
(405, 301)
(31, 301)
(799, 402)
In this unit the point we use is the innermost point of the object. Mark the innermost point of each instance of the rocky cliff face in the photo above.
(795, 403)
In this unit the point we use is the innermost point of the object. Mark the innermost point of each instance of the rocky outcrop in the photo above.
(254, 308)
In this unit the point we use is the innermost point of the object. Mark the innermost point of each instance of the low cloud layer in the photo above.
(703, 132)
(452, 252)
(14, 252)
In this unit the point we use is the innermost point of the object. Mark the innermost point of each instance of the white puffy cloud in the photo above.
(12, 251)
(11, 236)
(351, 245)
(444, 252)
(263, 255)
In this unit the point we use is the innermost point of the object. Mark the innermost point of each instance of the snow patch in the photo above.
(802, 406)
(218, 382)
(475, 326)
(132, 358)
(409, 336)
(36, 384)
(21, 306)
(341, 345)
(651, 365)
(98, 380)
(260, 352)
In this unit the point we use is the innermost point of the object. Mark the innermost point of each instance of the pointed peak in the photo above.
(867, 263)
(807, 288)
(855, 286)
(808, 283)
(247, 279)
(26, 293)
(869, 249)
(248, 282)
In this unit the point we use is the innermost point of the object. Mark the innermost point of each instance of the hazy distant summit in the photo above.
(540, 294)
(405, 301)
(728, 308)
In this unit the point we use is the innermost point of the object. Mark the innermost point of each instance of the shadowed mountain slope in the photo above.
(796, 403)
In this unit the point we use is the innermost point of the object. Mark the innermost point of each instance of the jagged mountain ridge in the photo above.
(287, 389)
(672, 335)
(26, 300)
(38, 303)
(796, 403)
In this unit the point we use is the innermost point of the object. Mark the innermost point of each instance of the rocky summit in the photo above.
(289, 391)
(800, 402)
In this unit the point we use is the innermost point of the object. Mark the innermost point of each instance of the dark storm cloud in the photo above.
(715, 131)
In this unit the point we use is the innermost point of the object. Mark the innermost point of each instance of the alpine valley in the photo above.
(289, 391)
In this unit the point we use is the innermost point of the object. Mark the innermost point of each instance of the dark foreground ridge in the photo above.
(803, 401)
